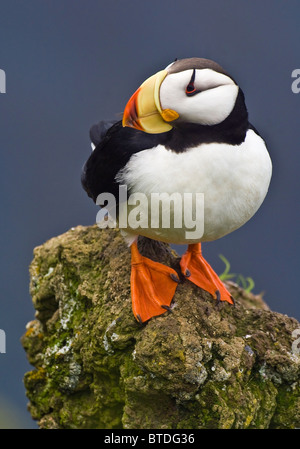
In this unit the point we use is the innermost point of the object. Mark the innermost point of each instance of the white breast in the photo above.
(233, 179)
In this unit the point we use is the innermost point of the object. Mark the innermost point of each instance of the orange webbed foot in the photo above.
(153, 286)
(197, 270)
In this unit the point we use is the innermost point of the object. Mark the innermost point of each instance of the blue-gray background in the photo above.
(70, 63)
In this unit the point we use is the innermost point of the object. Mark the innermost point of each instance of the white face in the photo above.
(210, 106)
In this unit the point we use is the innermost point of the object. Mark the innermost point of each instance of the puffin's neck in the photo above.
(231, 131)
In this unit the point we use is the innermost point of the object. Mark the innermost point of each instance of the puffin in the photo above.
(184, 134)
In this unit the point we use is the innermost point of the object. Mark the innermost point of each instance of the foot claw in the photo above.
(167, 308)
(201, 274)
(175, 278)
(139, 319)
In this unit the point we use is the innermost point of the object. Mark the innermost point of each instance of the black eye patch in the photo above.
(190, 89)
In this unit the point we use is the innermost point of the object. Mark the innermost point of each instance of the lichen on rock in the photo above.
(204, 365)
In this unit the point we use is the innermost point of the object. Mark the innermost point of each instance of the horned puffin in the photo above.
(184, 130)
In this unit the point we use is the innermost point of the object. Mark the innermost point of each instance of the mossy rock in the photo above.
(202, 366)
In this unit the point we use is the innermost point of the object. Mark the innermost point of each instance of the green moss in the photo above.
(36, 376)
(287, 415)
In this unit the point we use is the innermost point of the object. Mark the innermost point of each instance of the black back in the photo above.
(112, 154)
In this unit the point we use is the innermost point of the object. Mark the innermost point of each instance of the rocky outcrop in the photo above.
(204, 365)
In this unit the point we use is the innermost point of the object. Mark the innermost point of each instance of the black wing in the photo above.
(99, 130)
(115, 147)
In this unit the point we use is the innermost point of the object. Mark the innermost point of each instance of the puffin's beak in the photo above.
(143, 111)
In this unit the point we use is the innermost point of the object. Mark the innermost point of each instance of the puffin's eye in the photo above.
(190, 89)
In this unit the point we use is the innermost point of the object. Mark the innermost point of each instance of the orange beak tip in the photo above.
(130, 116)
(143, 110)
